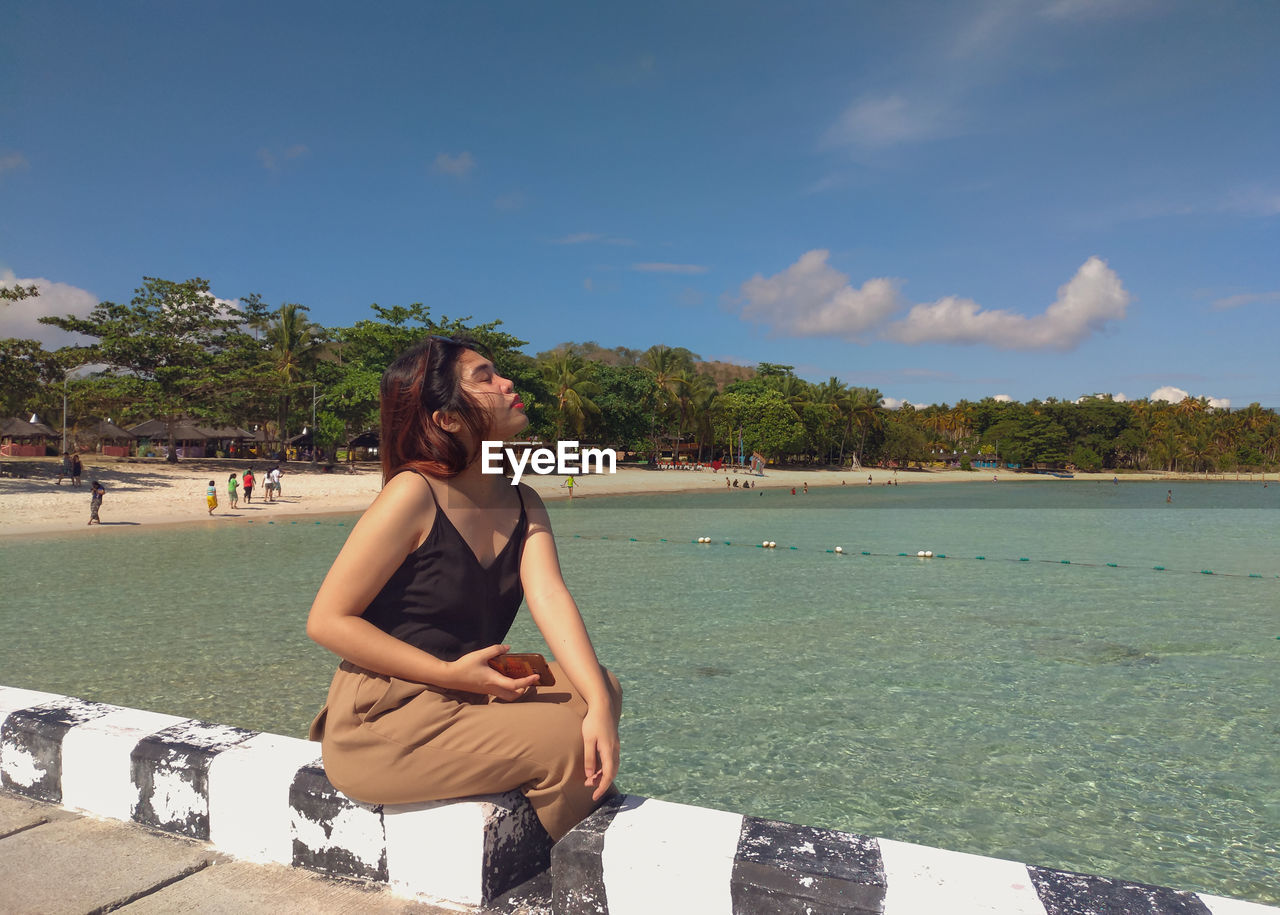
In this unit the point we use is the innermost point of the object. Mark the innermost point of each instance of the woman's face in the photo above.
(481, 382)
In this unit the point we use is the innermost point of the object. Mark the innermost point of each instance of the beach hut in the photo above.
(103, 436)
(364, 447)
(188, 438)
(230, 440)
(22, 438)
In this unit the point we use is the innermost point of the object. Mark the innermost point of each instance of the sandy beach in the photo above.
(149, 492)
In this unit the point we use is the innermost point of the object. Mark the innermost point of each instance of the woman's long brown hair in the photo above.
(422, 380)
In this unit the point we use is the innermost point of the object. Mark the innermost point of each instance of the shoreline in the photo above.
(146, 493)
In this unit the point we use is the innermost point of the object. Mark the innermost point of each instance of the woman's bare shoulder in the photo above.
(532, 501)
(406, 500)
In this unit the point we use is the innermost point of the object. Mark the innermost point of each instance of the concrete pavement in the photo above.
(55, 861)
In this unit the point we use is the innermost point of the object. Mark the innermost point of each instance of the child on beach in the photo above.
(232, 483)
(211, 496)
(96, 492)
(248, 486)
(423, 593)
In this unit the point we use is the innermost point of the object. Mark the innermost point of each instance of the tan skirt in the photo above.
(391, 741)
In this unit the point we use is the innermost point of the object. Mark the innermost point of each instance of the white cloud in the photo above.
(509, 202)
(892, 403)
(669, 268)
(878, 121)
(18, 319)
(1002, 398)
(1094, 9)
(274, 160)
(1171, 394)
(1251, 201)
(1248, 298)
(812, 298)
(458, 166)
(584, 238)
(1084, 305)
(12, 162)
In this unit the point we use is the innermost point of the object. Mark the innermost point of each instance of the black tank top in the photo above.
(442, 600)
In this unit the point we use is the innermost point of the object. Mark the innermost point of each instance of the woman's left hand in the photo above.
(601, 751)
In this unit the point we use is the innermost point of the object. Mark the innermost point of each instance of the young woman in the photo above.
(422, 596)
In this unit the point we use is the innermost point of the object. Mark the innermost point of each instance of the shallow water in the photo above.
(1105, 718)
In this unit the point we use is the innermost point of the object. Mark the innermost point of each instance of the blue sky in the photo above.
(943, 200)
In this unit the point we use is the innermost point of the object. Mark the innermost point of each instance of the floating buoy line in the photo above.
(917, 554)
(926, 554)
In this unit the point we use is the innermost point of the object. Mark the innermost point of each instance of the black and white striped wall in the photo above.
(263, 797)
(638, 856)
(260, 797)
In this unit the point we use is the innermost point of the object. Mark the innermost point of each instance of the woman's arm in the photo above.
(558, 619)
(394, 526)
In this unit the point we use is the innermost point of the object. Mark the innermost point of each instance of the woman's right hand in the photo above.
(471, 673)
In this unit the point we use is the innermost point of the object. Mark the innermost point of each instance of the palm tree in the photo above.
(868, 410)
(670, 370)
(295, 345)
(566, 375)
(795, 391)
(836, 394)
(702, 401)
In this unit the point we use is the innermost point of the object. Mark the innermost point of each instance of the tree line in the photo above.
(175, 351)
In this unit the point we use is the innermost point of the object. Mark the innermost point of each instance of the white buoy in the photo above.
(920, 554)
(839, 549)
(928, 554)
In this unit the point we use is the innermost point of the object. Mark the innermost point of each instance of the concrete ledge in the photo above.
(260, 797)
(638, 855)
(265, 798)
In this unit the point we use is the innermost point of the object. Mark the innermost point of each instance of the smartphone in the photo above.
(515, 665)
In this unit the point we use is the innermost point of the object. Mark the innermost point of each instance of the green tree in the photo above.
(17, 293)
(625, 400)
(294, 347)
(171, 337)
(567, 379)
(26, 368)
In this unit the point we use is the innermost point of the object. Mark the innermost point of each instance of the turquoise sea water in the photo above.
(1113, 719)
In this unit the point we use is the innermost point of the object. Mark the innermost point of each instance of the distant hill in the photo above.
(722, 373)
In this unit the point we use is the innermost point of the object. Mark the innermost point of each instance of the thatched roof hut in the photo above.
(183, 430)
(15, 427)
(20, 438)
(104, 430)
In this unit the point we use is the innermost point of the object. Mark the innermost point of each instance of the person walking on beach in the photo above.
(569, 484)
(77, 468)
(421, 597)
(248, 486)
(275, 475)
(211, 496)
(64, 469)
(96, 492)
(232, 484)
